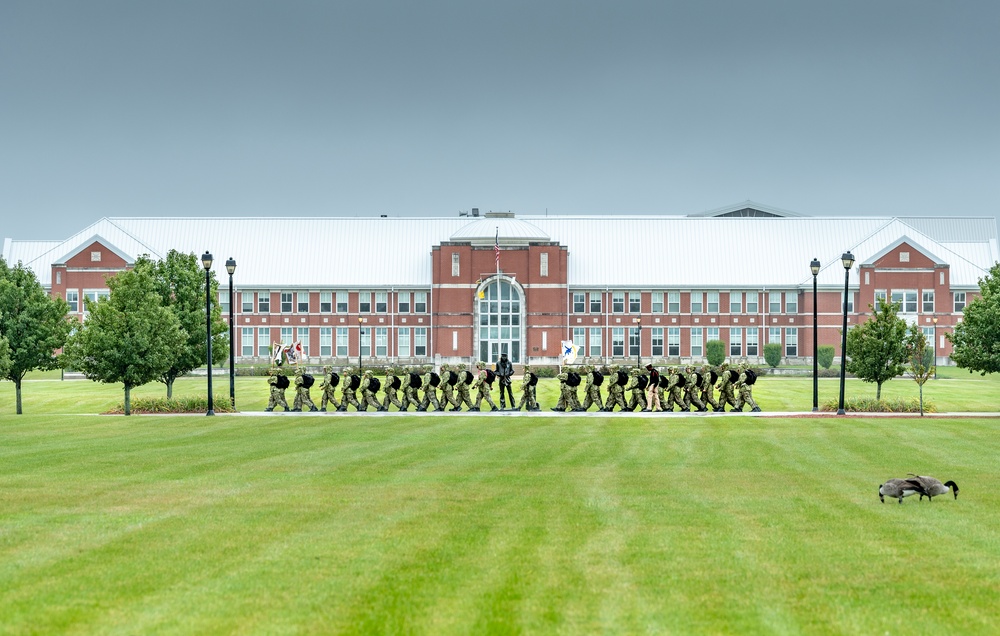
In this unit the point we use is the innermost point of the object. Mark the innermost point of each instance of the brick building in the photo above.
(622, 287)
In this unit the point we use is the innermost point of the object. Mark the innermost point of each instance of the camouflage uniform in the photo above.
(447, 388)
(462, 389)
(302, 398)
(691, 390)
(708, 389)
(674, 393)
(368, 392)
(616, 392)
(483, 388)
(592, 390)
(638, 395)
(412, 384)
(430, 391)
(391, 392)
(328, 387)
(277, 394)
(568, 400)
(528, 391)
(349, 395)
(745, 391)
(725, 387)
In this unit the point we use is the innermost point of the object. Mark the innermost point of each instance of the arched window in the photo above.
(500, 321)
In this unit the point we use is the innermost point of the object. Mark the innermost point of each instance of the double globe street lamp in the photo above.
(206, 262)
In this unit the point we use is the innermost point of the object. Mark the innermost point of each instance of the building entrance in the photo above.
(500, 321)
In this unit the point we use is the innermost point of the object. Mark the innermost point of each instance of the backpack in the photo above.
(396, 383)
(355, 382)
(573, 379)
(664, 381)
(435, 379)
(414, 380)
(681, 380)
(466, 377)
(490, 377)
(282, 382)
(598, 378)
(307, 380)
(751, 376)
(334, 380)
(452, 378)
(374, 385)
(622, 378)
(714, 377)
(643, 382)
(733, 376)
(533, 380)
(700, 382)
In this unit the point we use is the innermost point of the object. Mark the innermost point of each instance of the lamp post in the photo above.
(360, 334)
(848, 260)
(638, 341)
(206, 262)
(231, 268)
(934, 320)
(814, 266)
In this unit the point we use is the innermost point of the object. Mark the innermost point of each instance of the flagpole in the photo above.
(496, 245)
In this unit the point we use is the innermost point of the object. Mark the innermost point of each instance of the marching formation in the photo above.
(458, 388)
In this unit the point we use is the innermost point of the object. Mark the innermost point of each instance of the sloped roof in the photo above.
(511, 231)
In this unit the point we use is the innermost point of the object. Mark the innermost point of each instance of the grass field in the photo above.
(475, 524)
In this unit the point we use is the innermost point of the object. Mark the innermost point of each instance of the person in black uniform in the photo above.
(504, 371)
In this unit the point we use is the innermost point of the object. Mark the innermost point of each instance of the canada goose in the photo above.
(933, 487)
(900, 488)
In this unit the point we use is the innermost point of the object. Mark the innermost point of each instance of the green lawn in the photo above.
(478, 524)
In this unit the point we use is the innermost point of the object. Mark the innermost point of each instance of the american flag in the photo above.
(496, 248)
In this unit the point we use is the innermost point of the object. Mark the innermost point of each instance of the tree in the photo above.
(128, 337)
(772, 354)
(715, 352)
(34, 324)
(179, 281)
(919, 369)
(876, 349)
(976, 340)
(824, 355)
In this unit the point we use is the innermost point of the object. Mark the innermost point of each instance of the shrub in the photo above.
(772, 354)
(824, 356)
(715, 352)
(188, 404)
(545, 372)
(871, 405)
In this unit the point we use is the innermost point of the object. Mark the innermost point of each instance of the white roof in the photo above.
(621, 252)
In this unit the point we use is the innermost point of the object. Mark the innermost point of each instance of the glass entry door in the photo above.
(500, 322)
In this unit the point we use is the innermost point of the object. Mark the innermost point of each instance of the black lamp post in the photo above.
(206, 262)
(638, 342)
(934, 320)
(361, 331)
(848, 260)
(814, 266)
(231, 268)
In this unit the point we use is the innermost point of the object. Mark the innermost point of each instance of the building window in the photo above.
(455, 264)
(247, 303)
(366, 342)
(263, 342)
(791, 302)
(656, 342)
(880, 298)
(59, 278)
(906, 299)
(286, 302)
(246, 342)
(735, 302)
(302, 302)
(595, 302)
(850, 302)
(752, 305)
(673, 341)
(420, 302)
(752, 341)
(381, 342)
(403, 302)
(656, 306)
(420, 342)
(736, 343)
(342, 340)
(596, 340)
(696, 343)
(224, 302)
(580, 339)
(697, 307)
(579, 302)
(286, 335)
(928, 302)
(93, 296)
(341, 302)
(326, 342)
(73, 299)
(774, 335)
(403, 342)
(304, 340)
(791, 342)
(618, 302)
(263, 302)
(712, 334)
(326, 302)
(635, 302)
(713, 302)
(634, 339)
(543, 265)
(499, 322)
(365, 302)
(959, 302)
(774, 302)
(674, 302)
(617, 342)
(381, 302)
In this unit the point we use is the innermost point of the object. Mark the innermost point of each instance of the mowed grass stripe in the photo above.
(495, 525)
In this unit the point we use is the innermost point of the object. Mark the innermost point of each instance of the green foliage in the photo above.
(877, 348)
(772, 354)
(875, 405)
(976, 340)
(128, 337)
(545, 372)
(824, 355)
(715, 352)
(4, 357)
(184, 404)
(33, 324)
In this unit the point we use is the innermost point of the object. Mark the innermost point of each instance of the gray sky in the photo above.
(336, 108)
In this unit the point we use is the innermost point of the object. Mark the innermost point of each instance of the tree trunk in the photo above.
(17, 391)
(128, 400)
(170, 388)
(921, 399)
(878, 391)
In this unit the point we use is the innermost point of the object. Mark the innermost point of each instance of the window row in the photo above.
(666, 341)
(329, 302)
(78, 303)
(907, 299)
(335, 342)
(670, 302)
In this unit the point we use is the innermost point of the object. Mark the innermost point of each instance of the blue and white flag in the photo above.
(569, 351)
